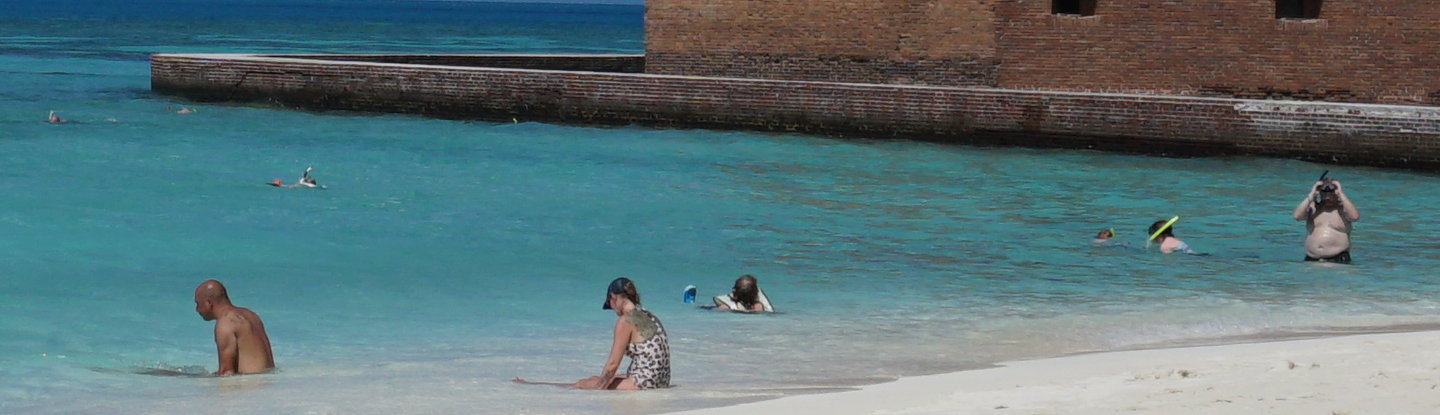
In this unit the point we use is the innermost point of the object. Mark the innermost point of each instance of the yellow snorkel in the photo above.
(1160, 231)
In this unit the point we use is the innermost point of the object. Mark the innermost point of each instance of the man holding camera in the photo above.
(1327, 214)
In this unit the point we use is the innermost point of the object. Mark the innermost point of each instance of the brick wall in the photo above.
(1379, 51)
(1384, 135)
(923, 42)
(590, 63)
(1374, 51)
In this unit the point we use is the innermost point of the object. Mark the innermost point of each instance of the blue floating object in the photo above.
(689, 294)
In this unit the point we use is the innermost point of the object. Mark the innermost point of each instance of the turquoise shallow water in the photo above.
(448, 257)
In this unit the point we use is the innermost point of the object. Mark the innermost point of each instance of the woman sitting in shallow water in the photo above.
(639, 335)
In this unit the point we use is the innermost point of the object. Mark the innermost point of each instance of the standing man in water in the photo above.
(239, 335)
(1327, 214)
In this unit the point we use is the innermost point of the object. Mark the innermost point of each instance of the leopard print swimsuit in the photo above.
(649, 359)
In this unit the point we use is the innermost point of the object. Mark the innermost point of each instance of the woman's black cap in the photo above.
(616, 287)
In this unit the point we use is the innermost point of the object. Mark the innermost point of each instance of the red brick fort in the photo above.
(1335, 81)
(1376, 51)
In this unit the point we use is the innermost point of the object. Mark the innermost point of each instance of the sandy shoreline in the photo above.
(1392, 373)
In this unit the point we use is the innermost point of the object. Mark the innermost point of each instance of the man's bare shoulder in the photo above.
(248, 316)
(236, 318)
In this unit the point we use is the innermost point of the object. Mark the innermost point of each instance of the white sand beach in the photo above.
(1394, 373)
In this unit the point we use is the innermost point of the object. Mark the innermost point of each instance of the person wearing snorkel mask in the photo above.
(1164, 234)
(1327, 214)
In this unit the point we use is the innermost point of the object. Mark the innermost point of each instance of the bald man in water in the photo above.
(239, 335)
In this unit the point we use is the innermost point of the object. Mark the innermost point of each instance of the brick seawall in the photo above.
(598, 90)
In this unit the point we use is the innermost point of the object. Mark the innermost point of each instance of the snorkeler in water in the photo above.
(1329, 217)
(1103, 237)
(1163, 233)
(745, 296)
(305, 181)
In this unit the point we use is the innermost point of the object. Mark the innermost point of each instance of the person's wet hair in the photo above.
(1105, 234)
(631, 292)
(1170, 231)
(746, 291)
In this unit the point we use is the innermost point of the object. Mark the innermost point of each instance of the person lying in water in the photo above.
(305, 181)
(744, 296)
(639, 335)
(54, 119)
(1103, 237)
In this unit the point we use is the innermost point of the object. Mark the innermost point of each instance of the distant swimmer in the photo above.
(182, 110)
(305, 181)
(1163, 232)
(240, 337)
(744, 296)
(1103, 237)
(1328, 215)
(54, 119)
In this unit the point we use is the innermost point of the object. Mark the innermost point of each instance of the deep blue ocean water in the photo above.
(447, 257)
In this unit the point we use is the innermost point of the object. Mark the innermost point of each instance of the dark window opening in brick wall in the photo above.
(1080, 7)
(1297, 9)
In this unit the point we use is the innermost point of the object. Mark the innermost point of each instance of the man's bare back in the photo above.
(241, 329)
(240, 339)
